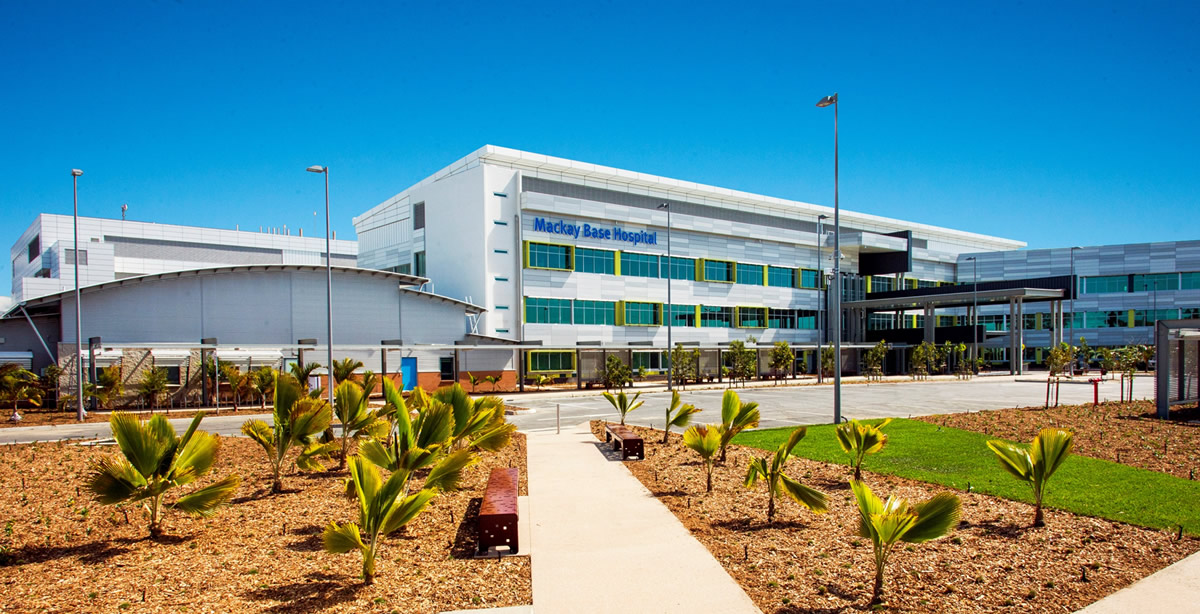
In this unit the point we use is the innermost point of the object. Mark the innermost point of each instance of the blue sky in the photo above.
(1055, 123)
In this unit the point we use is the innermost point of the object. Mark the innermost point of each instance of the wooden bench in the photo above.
(497, 522)
(625, 440)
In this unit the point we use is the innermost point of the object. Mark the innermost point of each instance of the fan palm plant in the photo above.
(473, 380)
(770, 469)
(343, 370)
(479, 423)
(623, 403)
(239, 383)
(153, 385)
(858, 439)
(494, 380)
(369, 381)
(888, 523)
(303, 372)
(108, 387)
(736, 417)
(1035, 463)
(155, 460)
(262, 380)
(18, 384)
(678, 414)
(705, 440)
(356, 418)
(297, 420)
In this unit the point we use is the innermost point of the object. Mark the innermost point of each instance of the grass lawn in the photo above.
(956, 458)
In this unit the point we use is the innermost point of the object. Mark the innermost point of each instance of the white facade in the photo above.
(117, 249)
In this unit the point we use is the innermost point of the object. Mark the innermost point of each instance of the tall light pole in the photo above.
(1071, 324)
(670, 316)
(822, 294)
(837, 268)
(974, 311)
(328, 279)
(80, 412)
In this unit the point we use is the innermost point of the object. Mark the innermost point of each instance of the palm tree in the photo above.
(623, 403)
(303, 372)
(478, 423)
(368, 382)
(108, 387)
(343, 370)
(736, 417)
(153, 385)
(18, 384)
(494, 380)
(262, 380)
(239, 383)
(859, 439)
(155, 460)
(1036, 463)
(771, 471)
(385, 507)
(678, 414)
(357, 420)
(705, 439)
(473, 380)
(893, 521)
(297, 420)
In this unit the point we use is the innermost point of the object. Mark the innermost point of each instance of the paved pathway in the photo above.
(1171, 589)
(597, 530)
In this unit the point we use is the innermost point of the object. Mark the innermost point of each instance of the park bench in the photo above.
(498, 514)
(625, 440)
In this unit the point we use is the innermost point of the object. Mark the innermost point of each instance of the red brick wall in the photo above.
(507, 383)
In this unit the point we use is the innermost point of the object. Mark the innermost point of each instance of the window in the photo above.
(34, 248)
(69, 257)
(418, 216)
(500, 278)
(716, 317)
(651, 361)
(880, 321)
(405, 269)
(419, 264)
(1147, 317)
(1106, 319)
(548, 256)
(995, 322)
(502, 307)
(683, 315)
(639, 265)
(173, 376)
(1102, 285)
(502, 330)
(883, 284)
(1189, 281)
(718, 270)
(750, 274)
(551, 361)
(594, 261)
(1190, 313)
(810, 279)
(1158, 281)
(953, 320)
(642, 314)
(781, 318)
(780, 277)
(752, 317)
(680, 268)
(595, 312)
(446, 368)
(547, 310)
(925, 283)
(499, 251)
(1030, 321)
(500, 222)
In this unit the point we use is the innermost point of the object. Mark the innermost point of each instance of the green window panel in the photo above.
(1105, 285)
(1155, 282)
(1190, 313)
(1147, 317)
(650, 361)
(642, 314)
(1189, 281)
(639, 265)
(781, 277)
(926, 283)
(550, 256)
(881, 321)
(419, 264)
(550, 361)
(547, 310)
(810, 279)
(751, 317)
(716, 317)
(722, 271)
(993, 322)
(599, 261)
(595, 312)
(680, 268)
(883, 284)
(1106, 319)
(749, 274)
(781, 318)
(683, 315)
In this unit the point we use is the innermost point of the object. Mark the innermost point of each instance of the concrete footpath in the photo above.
(1172, 589)
(602, 542)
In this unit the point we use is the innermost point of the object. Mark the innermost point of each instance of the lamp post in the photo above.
(837, 268)
(974, 311)
(1071, 324)
(669, 316)
(80, 412)
(328, 279)
(822, 295)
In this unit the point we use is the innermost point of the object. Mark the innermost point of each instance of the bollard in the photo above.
(1095, 382)
(557, 419)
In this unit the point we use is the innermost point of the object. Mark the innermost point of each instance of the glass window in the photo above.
(683, 315)
(681, 268)
(1189, 281)
(752, 317)
(716, 317)
(1101, 285)
(883, 284)
(551, 361)
(1030, 321)
(595, 312)
(173, 376)
(718, 270)
(69, 256)
(547, 310)
(880, 321)
(1190, 313)
(446, 367)
(1157, 281)
(419, 222)
(1106, 319)
(547, 256)
(641, 314)
(780, 277)
(810, 279)
(34, 248)
(781, 318)
(925, 283)
(651, 361)
(806, 319)
(993, 322)
(639, 265)
(750, 274)
(594, 261)
(419, 264)
(1147, 317)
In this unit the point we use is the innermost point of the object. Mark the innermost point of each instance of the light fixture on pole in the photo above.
(974, 311)
(328, 280)
(80, 412)
(837, 268)
(669, 315)
(822, 295)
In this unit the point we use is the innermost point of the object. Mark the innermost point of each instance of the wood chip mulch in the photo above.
(37, 417)
(816, 564)
(1128, 433)
(63, 552)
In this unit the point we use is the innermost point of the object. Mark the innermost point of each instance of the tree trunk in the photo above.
(708, 484)
(369, 564)
(877, 592)
(858, 473)
(1037, 515)
(345, 442)
(770, 509)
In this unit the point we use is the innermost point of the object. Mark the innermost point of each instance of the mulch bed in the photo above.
(37, 417)
(816, 563)
(62, 552)
(1128, 433)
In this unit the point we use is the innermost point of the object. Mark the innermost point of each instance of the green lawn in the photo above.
(953, 457)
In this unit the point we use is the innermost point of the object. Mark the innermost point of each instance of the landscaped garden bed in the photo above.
(806, 562)
(42, 417)
(63, 552)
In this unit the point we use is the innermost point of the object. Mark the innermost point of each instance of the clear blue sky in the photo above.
(1050, 122)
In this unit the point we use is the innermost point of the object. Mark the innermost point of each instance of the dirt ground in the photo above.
(40, 417)
(817, 564)
(1128, 433)
(62, 552)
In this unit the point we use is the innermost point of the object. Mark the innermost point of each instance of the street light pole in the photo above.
(974, 312)
(669, 315)
(837, 269)
(328, 279)
(80, 412)
(822, 294)
(1071, 324)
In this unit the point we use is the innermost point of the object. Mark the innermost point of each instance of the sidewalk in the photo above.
(1172, 589)
(603, 543)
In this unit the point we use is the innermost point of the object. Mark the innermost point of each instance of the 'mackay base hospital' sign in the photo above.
(587, 231)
